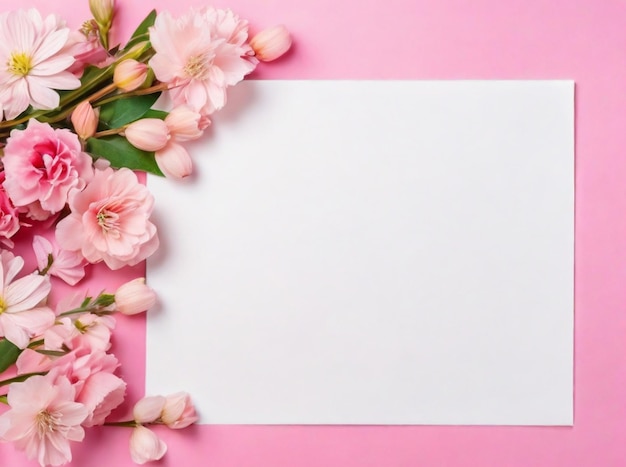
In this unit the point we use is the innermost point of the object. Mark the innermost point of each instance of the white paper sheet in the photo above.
(386, 252)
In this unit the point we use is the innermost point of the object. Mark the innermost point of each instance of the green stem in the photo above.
(128, 424)
(3, 399)
(19, 378)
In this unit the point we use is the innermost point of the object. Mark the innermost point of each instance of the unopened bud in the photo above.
(85, 120)
(271, 43)
(130, 74)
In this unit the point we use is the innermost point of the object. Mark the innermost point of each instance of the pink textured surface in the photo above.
(440, 39)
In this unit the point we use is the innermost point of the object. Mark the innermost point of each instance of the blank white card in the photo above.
(372, 252)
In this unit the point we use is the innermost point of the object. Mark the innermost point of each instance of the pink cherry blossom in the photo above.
(43, 419)
(200, 54)
(66, 265)
(87, 330)
(21, 314)
(42, 165)
(110, 220)
(32, 62)
(9, 218)
(145, 446)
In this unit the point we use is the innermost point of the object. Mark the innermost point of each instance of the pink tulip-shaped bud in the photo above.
(174, 161)
(85, 120)
(148, 409)
(145, 446)
(102, 11)
(134, 297)
(185, 124)
(149, 134)
(130, 74)
(271, 43)
(178, 411)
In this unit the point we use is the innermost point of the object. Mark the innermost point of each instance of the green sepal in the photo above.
(120, 153)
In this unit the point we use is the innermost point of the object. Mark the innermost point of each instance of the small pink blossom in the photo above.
(134, 297)
(148, 409)
(199, 55)
(178, 411)
(42, 165)
(21, 314)
(110, 220)
(186, 124)
(32, 62)
(148, 134)
(271, 43)
(66, 265)
(145, 445)
(174, 161)
(87, 330)
(85, 120)
(85, 47)
(9, 217)
(130, 74)
(43, 419)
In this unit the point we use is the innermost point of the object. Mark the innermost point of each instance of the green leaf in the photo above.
(141, 33)
(8, 354)
(117, 150)
(124, 111)
(160, 114)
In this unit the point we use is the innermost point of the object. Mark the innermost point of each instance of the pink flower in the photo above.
(101, 394)
(185, 124)
(148, 409)
(145, 446)
(88, 330)
(148, 134)
(9, 218)
(21, 315)
(271, 43)
(85, 47)
(199, 55)
(66, 265)
(42, 165)
(130, 74)
(178, 411)
(134, 297)
(110, 220)
(32, 62)
(174, 161)
(85, 120)
(43, 418)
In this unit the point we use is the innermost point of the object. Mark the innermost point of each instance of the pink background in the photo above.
(583, 40)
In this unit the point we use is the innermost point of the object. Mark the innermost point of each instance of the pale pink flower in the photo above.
(110, 220)
(42, 165)
(86, 48)
(102, 393)
(186, 124)
(178, 411)
(89, 330)
(9, 217)
(271, 43)
(145, 446)
(199, 55)
(32, 62)
(85, 120)
(130, 74)
(134, 297)
(43, 419)
(148, 409)
(148, 134)
(174, 161)
(66, 265)
(21, 313)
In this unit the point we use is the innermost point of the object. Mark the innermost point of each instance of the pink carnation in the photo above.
(9, 218)
(200, 54)
(110, 220)
(42, 165)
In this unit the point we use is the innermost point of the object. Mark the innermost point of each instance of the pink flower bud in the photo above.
(271, 43)
(178, 411)
(134, 297)
(130, 74)
(145, 446)
(148, 409)
(149, 134)
(85, 120)
(174, 161)
(102, 11)
(185, 124)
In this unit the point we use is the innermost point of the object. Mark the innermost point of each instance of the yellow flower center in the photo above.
(46, 422)
(195, 66)
(20, 63)
(3, 305)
